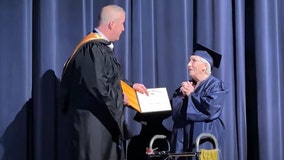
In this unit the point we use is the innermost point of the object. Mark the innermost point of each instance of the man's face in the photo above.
(117, 27)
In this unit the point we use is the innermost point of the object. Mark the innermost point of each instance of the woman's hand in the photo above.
(187, 88)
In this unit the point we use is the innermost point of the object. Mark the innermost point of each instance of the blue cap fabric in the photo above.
(213, 58)
(204, 55)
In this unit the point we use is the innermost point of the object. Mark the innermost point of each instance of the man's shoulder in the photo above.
(94, 37)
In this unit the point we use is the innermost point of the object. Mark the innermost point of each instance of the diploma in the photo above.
(156, 101)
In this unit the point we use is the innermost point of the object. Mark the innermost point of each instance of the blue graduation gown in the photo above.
(198, 113)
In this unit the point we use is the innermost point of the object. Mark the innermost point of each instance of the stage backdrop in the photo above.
(38, 36)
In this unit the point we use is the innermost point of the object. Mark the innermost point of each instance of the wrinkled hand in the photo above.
(187, 88)
(140, 88)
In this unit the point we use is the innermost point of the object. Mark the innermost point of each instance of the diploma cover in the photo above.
(156, 101)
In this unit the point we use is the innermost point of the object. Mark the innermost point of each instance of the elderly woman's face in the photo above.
(195, 66)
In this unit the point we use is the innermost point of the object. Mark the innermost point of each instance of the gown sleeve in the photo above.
(178, 103)
(101, 74)
(206, 104)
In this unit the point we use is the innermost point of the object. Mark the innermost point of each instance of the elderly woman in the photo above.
(197, 104)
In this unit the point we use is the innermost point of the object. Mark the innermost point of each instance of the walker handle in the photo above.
(206, 135)
(150, 149)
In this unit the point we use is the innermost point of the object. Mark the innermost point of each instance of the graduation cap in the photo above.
(211, 56)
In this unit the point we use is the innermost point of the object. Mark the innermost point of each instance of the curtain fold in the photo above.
(239, 95)
(269, 75)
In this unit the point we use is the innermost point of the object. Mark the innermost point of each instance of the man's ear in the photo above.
(110, 25)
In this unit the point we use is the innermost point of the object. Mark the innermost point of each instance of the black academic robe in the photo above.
(198, 113)
(92, 98)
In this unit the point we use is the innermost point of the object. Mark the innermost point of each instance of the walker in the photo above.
(201, 154)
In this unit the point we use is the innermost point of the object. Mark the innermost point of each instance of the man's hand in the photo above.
(125, 100)
(140, 88)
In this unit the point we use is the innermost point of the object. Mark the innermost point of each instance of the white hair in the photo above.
(208, 68)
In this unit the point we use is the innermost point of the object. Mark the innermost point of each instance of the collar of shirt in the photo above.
(111, 46)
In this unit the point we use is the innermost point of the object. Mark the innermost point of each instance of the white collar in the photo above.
(111, 46)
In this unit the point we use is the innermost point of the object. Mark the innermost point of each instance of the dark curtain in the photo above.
(37, 37)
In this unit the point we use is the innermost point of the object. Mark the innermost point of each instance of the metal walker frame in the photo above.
(167, 155)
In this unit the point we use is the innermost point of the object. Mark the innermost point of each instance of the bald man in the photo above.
(91, 93)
